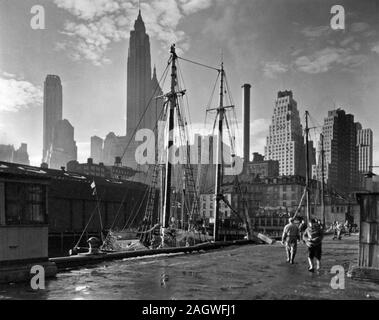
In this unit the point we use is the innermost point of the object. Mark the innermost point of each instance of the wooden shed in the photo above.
(369, 226)
(368, 261)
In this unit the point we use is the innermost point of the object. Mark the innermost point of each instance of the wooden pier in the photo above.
(73, 262)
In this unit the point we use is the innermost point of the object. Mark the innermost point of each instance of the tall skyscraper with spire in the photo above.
(140, 83)
(142, 88)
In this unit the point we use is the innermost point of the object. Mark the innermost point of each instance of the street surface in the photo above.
(246, 272)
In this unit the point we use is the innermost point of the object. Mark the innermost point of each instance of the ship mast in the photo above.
(307, 166)
(172, 97)
(219, 157)
(322, 179)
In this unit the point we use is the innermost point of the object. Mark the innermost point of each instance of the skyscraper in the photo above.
(365, 148)
(63, 146)
(341, 151)
(143, 110)
(139, 80)
(9, 154)
(21, 155)
(97, 149)
(52, 110)
(285, 141)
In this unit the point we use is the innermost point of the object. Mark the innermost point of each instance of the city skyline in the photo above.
(344, 58)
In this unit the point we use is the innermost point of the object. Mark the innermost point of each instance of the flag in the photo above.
(93, 187)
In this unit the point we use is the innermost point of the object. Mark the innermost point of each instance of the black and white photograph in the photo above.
(202, 152)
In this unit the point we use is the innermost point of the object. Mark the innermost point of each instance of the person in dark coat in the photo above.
(313, 236)
(302, 228)
(289, 240)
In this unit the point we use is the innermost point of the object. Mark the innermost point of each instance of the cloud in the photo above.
(323, 60)
(272, 69)
(89, 9)
(99, 23)
(375, 48)
(359, 26)
(315, 32)
(346, 41)
(8, 75)
(191, 6)
(18, 94)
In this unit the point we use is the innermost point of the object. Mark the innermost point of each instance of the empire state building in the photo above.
(141, 85)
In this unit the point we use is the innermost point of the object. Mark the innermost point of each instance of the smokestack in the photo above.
(246, 121)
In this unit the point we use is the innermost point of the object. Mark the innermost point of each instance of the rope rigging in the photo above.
(189, 204)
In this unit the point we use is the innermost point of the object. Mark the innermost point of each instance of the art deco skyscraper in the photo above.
(52, 110)
(143, 110)
(341, 151)
(285, 142)
(138, 78)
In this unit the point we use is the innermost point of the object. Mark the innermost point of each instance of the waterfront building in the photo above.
(272, 200)
(262, 168)
(23, 224)
(285, 141)
(71, 203)
(52, 111)
(207, 207)
(117, 171)
(90, 168)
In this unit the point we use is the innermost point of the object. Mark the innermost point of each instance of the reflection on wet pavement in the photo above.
(247, 272)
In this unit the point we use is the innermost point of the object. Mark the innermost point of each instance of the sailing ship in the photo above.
(160, 229)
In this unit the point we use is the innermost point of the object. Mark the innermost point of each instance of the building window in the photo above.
(25, 204)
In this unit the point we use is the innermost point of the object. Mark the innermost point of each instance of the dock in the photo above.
(73, 262)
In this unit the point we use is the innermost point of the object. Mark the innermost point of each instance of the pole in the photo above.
(322, 179)
(182, 224)
(170, 143)
(219, 163)
(307, 165)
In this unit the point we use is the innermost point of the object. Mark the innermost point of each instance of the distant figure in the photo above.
(313, 239)
(347, 227)
(337, 231)
(302, 227)
(289, 239)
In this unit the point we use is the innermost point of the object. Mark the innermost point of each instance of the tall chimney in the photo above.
(246, 121)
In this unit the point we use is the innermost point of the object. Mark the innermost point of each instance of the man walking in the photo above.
(313, 238)
(289, 239)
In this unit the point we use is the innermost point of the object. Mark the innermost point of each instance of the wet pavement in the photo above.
(246, 272)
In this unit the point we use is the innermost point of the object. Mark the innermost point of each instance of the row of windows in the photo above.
(25, 204)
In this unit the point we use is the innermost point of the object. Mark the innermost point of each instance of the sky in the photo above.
(271, 44)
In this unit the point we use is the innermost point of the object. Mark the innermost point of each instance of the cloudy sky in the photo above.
(272, 44)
